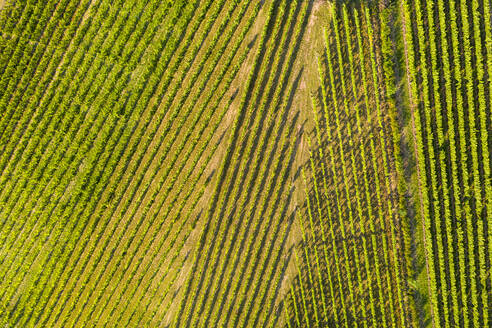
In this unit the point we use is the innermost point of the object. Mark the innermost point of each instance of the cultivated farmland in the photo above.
(241, 163)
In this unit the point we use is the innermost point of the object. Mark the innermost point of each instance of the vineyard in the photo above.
(395, 224)
(241, 163)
